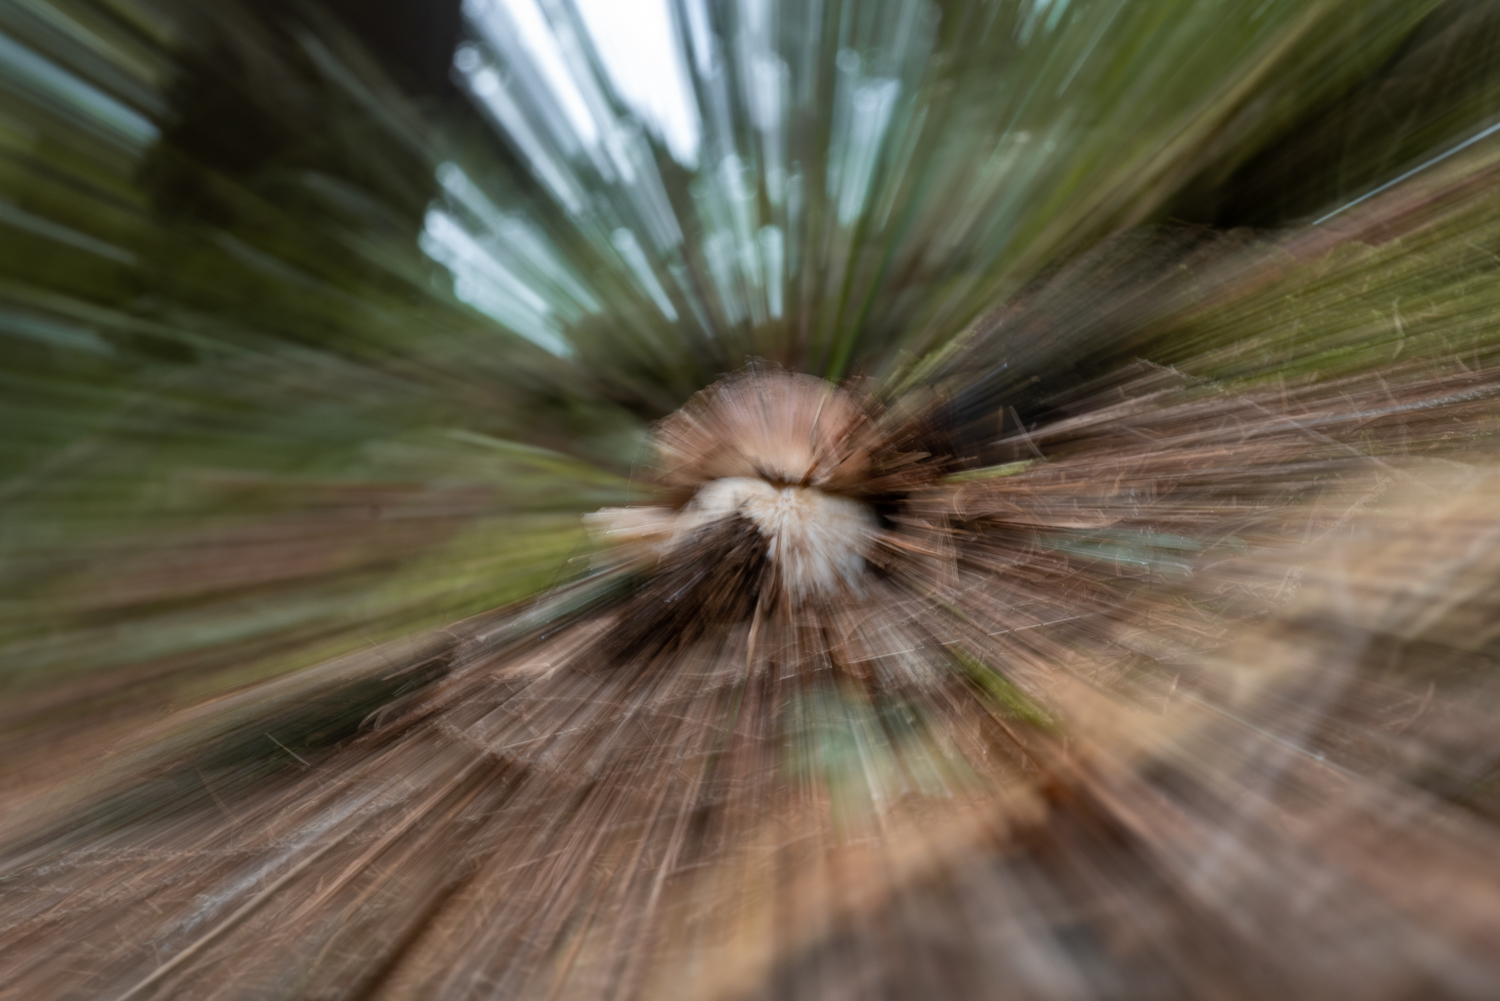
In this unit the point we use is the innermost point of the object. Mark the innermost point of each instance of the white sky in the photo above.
(541, 45)
(637, 43)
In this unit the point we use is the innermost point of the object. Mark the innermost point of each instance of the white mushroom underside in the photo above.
(817, 540)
